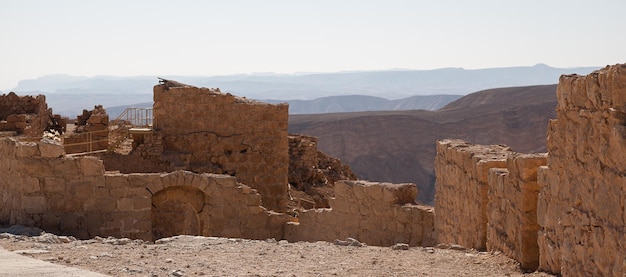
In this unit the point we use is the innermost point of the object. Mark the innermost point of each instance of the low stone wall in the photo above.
(41, 188)
(380, 214)
(461, 198)
(512, 209)
(582, 201)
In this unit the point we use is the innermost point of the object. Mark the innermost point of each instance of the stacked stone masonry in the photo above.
(204, 130)
(25, 115)
(512, 209)
(564, 213)
(380, 214)
(582, 200)
(462, 172)
(75, 196)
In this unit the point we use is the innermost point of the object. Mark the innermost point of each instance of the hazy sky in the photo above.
(137, 37)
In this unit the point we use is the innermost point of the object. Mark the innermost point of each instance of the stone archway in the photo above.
(175, 212)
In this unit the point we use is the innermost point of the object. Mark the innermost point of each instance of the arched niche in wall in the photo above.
(175, 212)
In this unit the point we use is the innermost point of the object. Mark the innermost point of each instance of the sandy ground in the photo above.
(211, 256)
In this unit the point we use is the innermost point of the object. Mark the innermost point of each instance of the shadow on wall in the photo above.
(176, 210)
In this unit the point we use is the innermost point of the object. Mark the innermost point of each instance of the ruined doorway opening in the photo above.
(175, 211)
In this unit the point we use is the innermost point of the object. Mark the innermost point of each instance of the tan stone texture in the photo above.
(75, 196)
(26, 115)
(512, 209)
(204, 130)
(461, 198)
(380, 214)
(582, 200)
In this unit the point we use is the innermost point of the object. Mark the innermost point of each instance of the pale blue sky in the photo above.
(150, 37)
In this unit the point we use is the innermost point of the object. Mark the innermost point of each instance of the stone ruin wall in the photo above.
(91, 132)
(512, 209)
(461, 198)
(25, 115)
(582, 202)
(564, 213)
(486, 199)
(381, 214)
(39, 187)
(204, 130)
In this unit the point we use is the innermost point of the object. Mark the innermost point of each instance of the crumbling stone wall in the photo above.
(204, 130)
(461, 198)
(380, 214)
(582, 202)
(40, 187)
(313, 172)
(26, 115)
(91, 133)
(512, 209)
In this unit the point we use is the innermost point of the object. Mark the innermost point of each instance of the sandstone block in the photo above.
(34, 204)
(91, 166)
(27, 150)
(30, 185)
(100, 204)
(50, 149)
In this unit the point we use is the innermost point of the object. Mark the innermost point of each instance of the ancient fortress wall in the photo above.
(26, 115)
(582, 203)
(204, 130)
(380, 214)
(512, 209)
(75, 196)
(565, 212)
(462, 172)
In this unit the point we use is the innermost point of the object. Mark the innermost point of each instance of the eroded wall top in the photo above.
(204, 130)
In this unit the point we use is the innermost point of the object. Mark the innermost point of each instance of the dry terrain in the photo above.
(211, 256)
(399, 146)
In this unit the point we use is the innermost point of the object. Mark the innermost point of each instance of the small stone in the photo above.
(177, 273)
(400, 246)
(457, 247)
(65, 239)
(349, 242)
(168, 260)
(31, 251)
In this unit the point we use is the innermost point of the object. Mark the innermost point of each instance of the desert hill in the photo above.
(399, 146)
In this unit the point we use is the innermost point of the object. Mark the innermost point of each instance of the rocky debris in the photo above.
(219, 256)
(349, 242)
(313, 172)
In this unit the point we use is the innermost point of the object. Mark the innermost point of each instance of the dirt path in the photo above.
(197, 256)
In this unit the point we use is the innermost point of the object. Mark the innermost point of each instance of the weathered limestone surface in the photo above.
(25, 115)
(204, 130)
(461, 198)
(380, 214)
(75, 196)
(582, 201)
(512, 209)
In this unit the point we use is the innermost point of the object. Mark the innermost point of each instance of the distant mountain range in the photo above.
(339, 104)
(68, 95)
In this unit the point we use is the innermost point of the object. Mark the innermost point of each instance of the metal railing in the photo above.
(137, 117)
